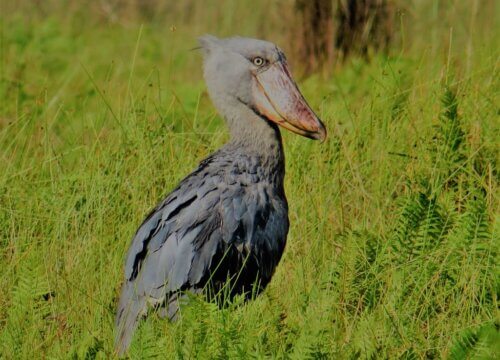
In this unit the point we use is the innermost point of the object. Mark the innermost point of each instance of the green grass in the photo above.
(393, 246)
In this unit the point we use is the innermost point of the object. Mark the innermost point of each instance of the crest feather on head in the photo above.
(207, 43)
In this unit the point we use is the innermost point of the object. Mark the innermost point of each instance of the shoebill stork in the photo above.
(228, 220)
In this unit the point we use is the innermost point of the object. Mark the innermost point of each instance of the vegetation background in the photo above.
(393, 246)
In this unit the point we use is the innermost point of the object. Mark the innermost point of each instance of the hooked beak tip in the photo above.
(321, 135)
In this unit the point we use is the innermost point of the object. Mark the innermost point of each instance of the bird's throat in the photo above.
(256, 136)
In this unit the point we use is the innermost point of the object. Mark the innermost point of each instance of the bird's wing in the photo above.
(162, 250)
(160, 256)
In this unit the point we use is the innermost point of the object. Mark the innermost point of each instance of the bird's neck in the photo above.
(256, 137)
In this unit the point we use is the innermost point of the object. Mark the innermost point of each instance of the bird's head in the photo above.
(255, 73)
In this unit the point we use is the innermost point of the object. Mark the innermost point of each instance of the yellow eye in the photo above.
(258, 61)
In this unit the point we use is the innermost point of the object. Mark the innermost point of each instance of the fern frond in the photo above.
(475, 220)
(420, 227)
(448, 150)
(482, 343)
(29, 307)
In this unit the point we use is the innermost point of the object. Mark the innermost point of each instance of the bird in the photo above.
(227, 222)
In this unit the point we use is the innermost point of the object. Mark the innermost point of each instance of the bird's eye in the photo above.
(258, 61)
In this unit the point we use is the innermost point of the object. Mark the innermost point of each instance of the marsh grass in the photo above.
(393, 246)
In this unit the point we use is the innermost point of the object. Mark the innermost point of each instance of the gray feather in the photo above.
(130, 309)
